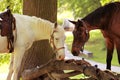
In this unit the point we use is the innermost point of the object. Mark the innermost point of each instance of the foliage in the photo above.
(103, 2)
(4, 58)
(15, 5)
(80, 8)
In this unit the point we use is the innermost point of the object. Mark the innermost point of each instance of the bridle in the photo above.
(86, 30)
(12, 26)
(53, 44)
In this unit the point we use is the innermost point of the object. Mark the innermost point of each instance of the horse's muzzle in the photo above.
(76, 50)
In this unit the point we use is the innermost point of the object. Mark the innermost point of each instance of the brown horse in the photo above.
(105, 18)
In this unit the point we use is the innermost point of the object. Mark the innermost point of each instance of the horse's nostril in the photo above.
(61, 57)
(75, 53)
(81, 50)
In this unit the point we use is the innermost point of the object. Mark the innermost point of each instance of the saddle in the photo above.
(7, 25)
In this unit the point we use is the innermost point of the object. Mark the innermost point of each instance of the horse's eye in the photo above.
(57, 39)
(0, 23)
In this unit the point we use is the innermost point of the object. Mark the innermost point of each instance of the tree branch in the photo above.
(80, 66)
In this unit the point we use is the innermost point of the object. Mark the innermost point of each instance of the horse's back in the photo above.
(111, 19)
(24, 33)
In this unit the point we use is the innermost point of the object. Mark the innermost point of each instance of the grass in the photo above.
(77, 77)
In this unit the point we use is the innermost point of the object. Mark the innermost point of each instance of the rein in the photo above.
(52, 42)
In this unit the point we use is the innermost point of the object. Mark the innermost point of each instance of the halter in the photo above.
(52, 42)
(86, 31)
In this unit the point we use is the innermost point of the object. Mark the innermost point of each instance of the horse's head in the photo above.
(6, 30)
(81, 35)
(57, 41)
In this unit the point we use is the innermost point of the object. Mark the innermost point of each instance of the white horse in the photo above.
(29, 29)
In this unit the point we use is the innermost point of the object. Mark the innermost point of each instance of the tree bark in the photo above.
(39, 54)
(80, 66)
(46, 9)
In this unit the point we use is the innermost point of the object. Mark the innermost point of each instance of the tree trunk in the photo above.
(41, 51)
(46, 9)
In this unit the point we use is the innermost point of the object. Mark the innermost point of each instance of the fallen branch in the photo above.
(59, 76)
(81, 66)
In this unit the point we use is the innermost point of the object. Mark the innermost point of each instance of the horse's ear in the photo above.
(74, 22)
(79, 20)
(8, 7)
(8, 10)
(80, 23)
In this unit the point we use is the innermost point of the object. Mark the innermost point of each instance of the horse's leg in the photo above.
(110, 48)
(17, 63)
(118, 49)
(10, 68)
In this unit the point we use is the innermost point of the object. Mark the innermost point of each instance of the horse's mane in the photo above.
(37, 25)
(102, 15)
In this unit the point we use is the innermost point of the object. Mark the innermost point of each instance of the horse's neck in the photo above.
(100, 18)
(94, 18)
(42, 28)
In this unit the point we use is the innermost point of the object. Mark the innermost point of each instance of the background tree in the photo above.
(15, 5)
(79, 8)
(46, 9)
